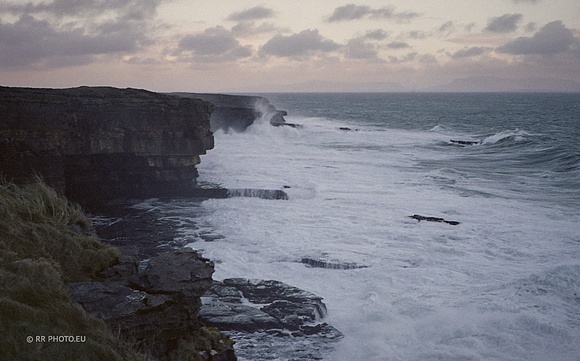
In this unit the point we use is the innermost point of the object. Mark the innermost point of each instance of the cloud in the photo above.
(414, 34)
(350, 12)
(404, 59)
(214, 44)
(427, 59)
(553, 38)
(355, 12)
(378, 34)
(248, 28)
(398, 45)
(30, 41)
(365, 46)
(446, 27)
(531, 27)
(248, 22)
(360, 49)
(504, 24)
(212, 41)
(470, 52)
(469, 27)
(306, 42)
(135, 9)
(64, 33)
(255, 13)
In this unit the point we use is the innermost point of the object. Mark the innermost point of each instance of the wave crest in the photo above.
(515, 135)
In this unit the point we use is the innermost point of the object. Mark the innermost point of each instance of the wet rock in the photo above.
(269, 316)
(138, 233)
(310, 262)
(258, 193)
(235, 316)
(156, 305)
(284, 124)
(433, 219)
(464, 142)
(250, 306)
(182, 272)
(211, 237)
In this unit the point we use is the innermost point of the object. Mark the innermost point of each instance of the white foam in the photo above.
(431, 291)
(516, 134)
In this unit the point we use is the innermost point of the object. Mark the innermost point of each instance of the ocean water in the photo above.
(503, 284)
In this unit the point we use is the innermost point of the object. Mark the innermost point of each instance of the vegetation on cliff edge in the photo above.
(41, 249)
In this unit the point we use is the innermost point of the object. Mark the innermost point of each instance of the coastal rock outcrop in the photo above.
(98, 143)
(464, 142)
(155, 304)
(269, 316)
(238, 112)
(260, 316)
(318, 263)
(433, 219)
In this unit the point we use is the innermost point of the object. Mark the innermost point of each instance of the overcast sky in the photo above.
(245, 45)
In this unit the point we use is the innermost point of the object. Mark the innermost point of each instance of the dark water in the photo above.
(523, 137)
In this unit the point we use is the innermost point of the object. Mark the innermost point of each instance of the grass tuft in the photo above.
(43, 247)
(38, 223)
(40, 251)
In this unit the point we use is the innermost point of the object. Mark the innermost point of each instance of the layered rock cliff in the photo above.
(238, 112)
(94, 144)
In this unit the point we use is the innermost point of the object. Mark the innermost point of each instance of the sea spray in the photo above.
(499, 285)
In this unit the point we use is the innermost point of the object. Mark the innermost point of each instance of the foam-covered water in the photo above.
(504, 284)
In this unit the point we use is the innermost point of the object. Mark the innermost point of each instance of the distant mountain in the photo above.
(326, 86)
(494, 84)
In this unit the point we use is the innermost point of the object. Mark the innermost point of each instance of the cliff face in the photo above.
(238, 112)
(94, 144)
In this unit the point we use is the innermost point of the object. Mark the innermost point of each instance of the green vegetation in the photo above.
(41, 249)
(37, 223)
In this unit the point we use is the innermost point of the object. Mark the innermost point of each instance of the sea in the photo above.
(450, 223)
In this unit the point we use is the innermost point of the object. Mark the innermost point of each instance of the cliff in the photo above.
(238, 112)
(94, 144)
(100, 144)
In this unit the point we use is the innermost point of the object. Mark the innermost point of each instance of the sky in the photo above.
(298, 45)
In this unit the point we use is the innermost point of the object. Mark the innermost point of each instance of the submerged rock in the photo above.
(465, 142)
(310, 262)
(291, 125)
(258, 193)
(433, 219)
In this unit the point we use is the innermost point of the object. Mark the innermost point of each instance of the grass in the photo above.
(38, 223)
(41, 249)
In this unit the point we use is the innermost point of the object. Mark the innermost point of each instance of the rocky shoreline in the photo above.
(104, 146)
(95, 144)
(255, 314)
